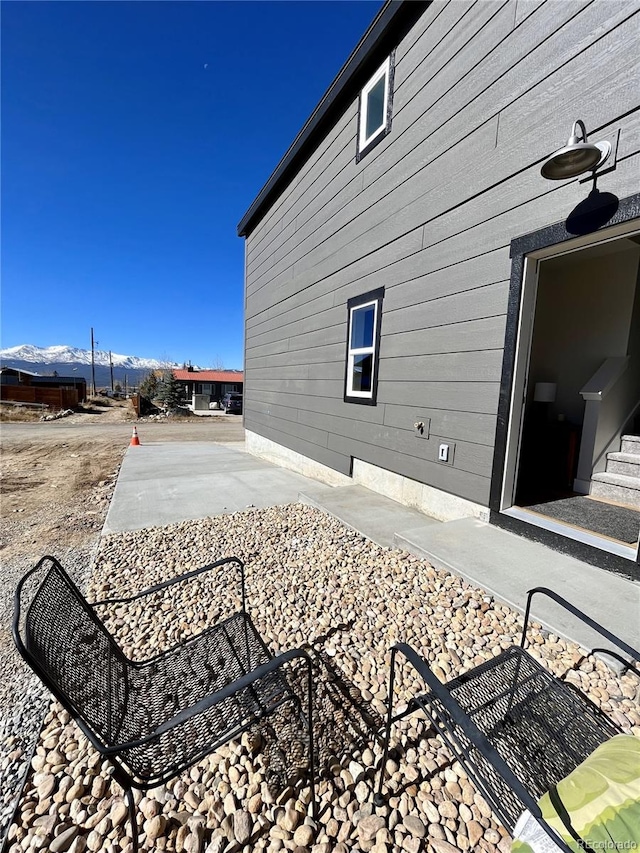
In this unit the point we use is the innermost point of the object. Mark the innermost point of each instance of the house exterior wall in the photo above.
(215, 390)
(483, 93)
(209, 383)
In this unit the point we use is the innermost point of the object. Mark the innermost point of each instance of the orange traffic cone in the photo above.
(135, 441)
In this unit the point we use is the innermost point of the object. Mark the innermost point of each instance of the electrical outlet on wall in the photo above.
(445, 452)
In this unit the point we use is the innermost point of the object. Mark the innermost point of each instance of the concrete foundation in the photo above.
(264, 448)
(432, 502)
(427, 500)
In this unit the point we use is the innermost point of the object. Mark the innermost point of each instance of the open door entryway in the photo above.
(572, 443)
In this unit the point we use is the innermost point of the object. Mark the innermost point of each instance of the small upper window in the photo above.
(362, 347)
(374, 120)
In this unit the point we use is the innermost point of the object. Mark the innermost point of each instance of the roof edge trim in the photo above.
(390, 14)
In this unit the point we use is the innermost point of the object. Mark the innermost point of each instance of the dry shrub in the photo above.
(9, 412)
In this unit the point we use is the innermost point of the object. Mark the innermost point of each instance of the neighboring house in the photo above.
(426, 313)
(203, 387)
(56, 392)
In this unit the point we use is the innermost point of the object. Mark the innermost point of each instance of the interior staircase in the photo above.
(620, 481)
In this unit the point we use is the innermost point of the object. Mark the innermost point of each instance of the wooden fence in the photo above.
(54, 398)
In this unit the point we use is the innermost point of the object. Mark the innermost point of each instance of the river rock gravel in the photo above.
(23, 699)
(311, 582)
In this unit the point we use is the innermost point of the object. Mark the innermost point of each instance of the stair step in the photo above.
(631, 444)
(617, 487)
(623, 463)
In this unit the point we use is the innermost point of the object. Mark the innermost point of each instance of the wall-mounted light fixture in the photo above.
(576, 157)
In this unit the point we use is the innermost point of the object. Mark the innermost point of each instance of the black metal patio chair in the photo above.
(516, 728)
(155, 717)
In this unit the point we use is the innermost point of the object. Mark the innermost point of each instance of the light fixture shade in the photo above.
(576, 157)
(544, 392)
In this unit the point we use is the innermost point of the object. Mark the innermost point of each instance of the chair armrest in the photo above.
(461, 719)
(214, 698)
(179, 579)
(604, 632)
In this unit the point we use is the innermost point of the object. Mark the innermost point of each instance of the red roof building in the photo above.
(209, 386)
(230, 376)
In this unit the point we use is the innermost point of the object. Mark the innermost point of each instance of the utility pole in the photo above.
(93, 368)
(111, 366)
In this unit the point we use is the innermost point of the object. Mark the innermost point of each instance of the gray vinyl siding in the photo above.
(483, 92)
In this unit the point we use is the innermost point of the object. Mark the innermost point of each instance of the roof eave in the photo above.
(391, 18)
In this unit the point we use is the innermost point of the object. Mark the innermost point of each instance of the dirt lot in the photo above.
(57, 480)
(58, 476)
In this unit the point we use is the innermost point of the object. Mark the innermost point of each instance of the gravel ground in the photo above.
(314, 583)
(23, 699)
(57, 483)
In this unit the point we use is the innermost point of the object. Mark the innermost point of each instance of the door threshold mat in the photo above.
(605, 519)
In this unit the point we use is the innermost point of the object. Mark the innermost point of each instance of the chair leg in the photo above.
(378, 799)
(312, 763)
(132, 817)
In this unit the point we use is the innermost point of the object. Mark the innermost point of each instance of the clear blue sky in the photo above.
(134, 137)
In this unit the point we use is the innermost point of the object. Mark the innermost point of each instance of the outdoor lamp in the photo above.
(576, 157)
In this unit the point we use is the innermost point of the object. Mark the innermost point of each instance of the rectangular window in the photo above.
(374, 118)
(375, 109)
(363, 341)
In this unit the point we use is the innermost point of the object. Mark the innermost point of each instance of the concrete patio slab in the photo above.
(162, 483)
(376, 517)
(504, 564)
(507, 566)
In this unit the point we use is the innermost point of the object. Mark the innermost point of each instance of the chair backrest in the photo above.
(59, 635)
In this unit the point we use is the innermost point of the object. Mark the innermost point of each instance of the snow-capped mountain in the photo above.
(72, 355)
(63, 360)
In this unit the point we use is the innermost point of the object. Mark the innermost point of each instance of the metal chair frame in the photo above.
(515, 728)
(194, 718)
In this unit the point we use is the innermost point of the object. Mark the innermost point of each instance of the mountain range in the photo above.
(71, 361)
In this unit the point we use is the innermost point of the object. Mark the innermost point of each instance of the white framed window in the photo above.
(374, 117)
(363, 343)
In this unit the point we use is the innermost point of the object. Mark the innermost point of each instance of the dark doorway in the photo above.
(573, 324)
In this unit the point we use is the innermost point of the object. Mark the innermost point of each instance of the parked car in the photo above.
(232, 403)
